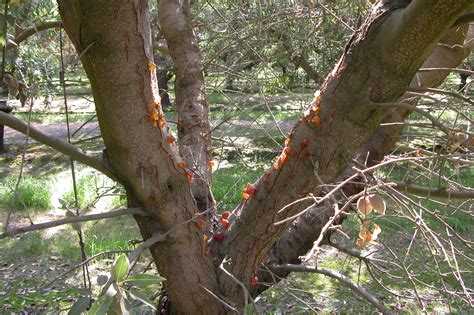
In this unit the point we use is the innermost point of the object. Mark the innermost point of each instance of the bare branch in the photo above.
(83, 218)
(62, 146)
(464, 19)
(109, 252)
(338, 276)
(440, 193)
(33, 30)
(219, 299)
(411, 107)
(244, 289)
(440, 91)
(447, 69)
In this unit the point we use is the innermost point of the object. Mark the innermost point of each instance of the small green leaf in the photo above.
(102, 279)
(101, 306)
(142, 280)
(120, 267)
(80, 306)
(63, 203)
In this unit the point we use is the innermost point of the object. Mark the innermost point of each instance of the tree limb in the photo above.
(194, 139)
(440, 91)
(62, 146)
(299, 237)
(338, 122)
(83, 218)
(466, 71)
(338, 276)
(33, 30)
(438, 193)
(464, 19)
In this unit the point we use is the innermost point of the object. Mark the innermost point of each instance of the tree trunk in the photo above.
(119, 65)
(163, 77)
(193, 122)
(376, 68)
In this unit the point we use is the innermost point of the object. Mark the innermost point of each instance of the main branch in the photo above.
(337, 123)
(33, 30)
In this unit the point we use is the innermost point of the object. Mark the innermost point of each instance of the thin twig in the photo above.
(420, 111)
(219, 299)
(440, 91)
(244, 288)
(367, 170)
(22, 164)
(447, 69)
(442, 193)
(340, 277)
(115, 251)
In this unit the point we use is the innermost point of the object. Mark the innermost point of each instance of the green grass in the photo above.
(32, 193)
(229, 183)
(85, 193)
(110, 234)
(91, 186)
(28, 298)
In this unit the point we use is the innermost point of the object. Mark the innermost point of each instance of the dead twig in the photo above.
(340, 277)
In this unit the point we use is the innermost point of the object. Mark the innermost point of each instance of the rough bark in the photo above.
(193, 123)
(119, 66)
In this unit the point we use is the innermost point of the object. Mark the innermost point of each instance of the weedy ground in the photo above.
(246, 139)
